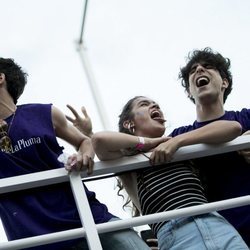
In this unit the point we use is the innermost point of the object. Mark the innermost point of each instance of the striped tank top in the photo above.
(168, 187)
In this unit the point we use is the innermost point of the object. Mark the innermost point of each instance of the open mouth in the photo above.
(202, 81)
(157, 116)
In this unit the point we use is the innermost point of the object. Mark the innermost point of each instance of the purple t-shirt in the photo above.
(45, 209)
(227, 175)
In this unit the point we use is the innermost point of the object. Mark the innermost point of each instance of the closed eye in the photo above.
(143, 103)
(209, 66)
(192, 70)
(204, 65)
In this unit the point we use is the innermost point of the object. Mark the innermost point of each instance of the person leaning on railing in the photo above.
(207, 80)
(167, 187)
(29, 144)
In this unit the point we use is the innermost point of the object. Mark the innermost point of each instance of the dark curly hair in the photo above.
(15, 77)
(215, 59)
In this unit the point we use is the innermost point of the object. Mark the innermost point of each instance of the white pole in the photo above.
(90, 76)
(93, 87)
(84, 211)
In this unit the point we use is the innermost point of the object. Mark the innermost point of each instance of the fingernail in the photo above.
(73, 163)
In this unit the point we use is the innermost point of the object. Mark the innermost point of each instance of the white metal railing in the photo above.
(89, 229)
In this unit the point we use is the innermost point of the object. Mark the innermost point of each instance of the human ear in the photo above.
(128, 124)
(2, 78)
(189, 93)
(225, 83)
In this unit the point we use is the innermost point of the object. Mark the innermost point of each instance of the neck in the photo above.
(209, 112)
(7, 107)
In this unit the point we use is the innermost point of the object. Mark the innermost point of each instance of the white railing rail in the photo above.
(89, 229)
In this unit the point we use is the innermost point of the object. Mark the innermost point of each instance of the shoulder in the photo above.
(34, 106)
(237, 114)
(242, 116)
(35, 110)
(181, 130)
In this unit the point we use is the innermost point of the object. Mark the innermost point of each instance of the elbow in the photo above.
(237, 129)
(98, 143)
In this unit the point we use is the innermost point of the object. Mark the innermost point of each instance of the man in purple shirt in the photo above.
(207, 80)
(28, 144)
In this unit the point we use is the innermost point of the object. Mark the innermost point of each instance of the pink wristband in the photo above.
(139, 146)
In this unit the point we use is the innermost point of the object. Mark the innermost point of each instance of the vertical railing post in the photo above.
(85, 211)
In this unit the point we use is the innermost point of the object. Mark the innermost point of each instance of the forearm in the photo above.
(108, 145)
(86, 147)
(215, 132)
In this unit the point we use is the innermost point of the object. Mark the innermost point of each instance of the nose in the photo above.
(154, 105)
(199, 68)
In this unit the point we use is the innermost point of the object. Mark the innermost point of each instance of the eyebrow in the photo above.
(148, 102)
(144, 100)
(194, 66)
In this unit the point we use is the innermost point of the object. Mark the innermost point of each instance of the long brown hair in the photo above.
(127, 114)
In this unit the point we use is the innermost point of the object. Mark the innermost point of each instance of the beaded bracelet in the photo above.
(139, 146)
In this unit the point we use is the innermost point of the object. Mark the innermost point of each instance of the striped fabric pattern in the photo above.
(168, 187)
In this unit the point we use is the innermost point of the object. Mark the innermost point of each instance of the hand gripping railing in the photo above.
(89, 229)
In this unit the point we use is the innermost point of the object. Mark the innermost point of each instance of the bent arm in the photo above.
(212, 133)
(67, 132)
(215, 132)
(110, 145)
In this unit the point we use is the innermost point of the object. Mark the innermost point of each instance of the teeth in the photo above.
(155, 114)
(202, 78)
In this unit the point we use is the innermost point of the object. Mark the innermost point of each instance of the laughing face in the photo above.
(206, 83)
(148, 118)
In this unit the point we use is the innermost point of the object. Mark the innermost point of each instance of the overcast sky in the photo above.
(135, 47)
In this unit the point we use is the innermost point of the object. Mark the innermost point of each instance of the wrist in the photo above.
(87, 133)
(90, 134)
(141, 143)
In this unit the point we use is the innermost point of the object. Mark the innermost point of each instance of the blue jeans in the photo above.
(202, 232)
(126, 239)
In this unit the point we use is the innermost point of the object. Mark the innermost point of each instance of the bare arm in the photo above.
(110, 145)
(215, 132)
(67, 132)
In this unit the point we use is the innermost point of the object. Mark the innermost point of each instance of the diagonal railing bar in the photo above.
(126, 223)
(117, 166)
